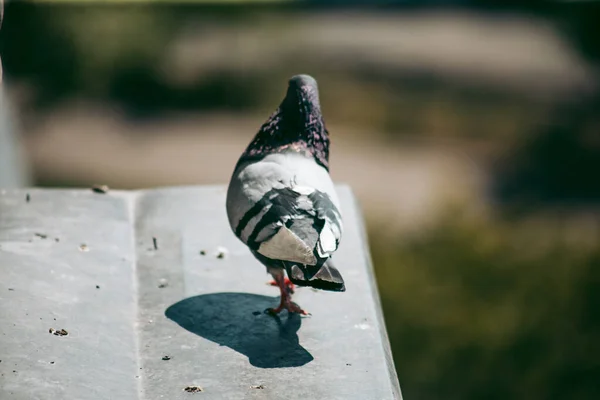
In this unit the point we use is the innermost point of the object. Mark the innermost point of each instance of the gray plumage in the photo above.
(281, 201)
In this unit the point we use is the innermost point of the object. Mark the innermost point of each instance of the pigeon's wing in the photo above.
(298, 228)
(296, 224)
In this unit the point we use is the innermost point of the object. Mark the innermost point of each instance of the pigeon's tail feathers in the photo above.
(325, 277)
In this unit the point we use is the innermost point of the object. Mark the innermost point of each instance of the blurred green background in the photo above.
(469, 130)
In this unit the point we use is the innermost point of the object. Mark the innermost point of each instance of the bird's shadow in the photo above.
(238, 321)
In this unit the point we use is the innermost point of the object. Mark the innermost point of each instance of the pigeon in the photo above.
(281, 201)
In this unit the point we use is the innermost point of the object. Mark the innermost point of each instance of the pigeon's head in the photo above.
(296, 125)
(302, 95)
(298, 81)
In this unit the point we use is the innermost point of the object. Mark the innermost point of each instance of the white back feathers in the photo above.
(286, 246)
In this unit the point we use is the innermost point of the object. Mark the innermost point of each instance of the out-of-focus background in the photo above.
(470, 132)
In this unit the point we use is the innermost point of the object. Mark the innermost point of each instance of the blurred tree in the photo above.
(558, 164)
(31, 48)
(492, 310)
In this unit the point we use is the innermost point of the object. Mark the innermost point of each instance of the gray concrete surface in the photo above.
(145, 323)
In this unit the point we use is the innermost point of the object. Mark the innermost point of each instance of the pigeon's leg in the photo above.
(286, 297)
(290, 286)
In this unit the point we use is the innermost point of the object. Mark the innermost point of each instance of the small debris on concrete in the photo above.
(163, 283)
(27, 198)
(56, 240)
(258, 387)
(11, 289)
(155, 243)
(348, 364)
(102, 189)
(193, 389)
(221, 252)
(51, 362)
(41, 235)
(59, 332)
(166, 358)
(84, 248)
(97, 286)
(202, 252)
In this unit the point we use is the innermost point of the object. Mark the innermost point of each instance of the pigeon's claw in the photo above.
(291, 288)
(295, 308)
(288, 305)
(286, 288)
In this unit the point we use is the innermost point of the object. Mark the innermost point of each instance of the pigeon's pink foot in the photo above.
(286, 281)
(295, 308)
(286, 299)
(288, 305)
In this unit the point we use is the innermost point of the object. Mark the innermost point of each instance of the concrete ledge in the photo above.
(146, 322)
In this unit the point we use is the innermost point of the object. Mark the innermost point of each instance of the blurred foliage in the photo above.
(121, 53)
(493, 309)
(580, 21)
(556, 164)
